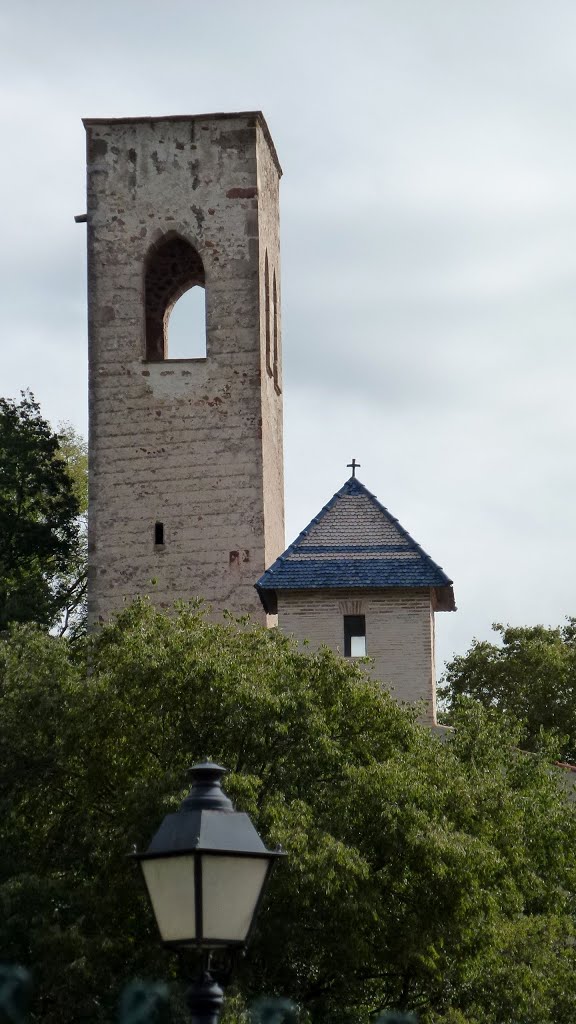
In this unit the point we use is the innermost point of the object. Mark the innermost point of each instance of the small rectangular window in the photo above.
(159, 533)
(354, 636)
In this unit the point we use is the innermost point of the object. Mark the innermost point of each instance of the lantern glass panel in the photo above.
(170, 882)
(231, 888)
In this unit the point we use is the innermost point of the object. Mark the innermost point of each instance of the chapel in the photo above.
(355, 581)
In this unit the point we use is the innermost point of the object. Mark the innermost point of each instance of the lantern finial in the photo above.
(206, 793)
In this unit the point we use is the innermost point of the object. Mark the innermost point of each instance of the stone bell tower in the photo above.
(186, 471)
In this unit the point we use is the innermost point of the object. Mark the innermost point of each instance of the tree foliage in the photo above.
(71, 584)
(42, 499)
(530, 675)
(428, 877)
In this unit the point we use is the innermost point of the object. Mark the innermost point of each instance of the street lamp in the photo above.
(205, 870)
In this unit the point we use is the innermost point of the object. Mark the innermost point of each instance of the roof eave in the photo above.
(269, 599)
(442, 596)
(443, 599)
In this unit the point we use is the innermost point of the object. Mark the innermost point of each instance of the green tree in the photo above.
(71, 585)
(41, 545)
(530, 675)
(430, 877)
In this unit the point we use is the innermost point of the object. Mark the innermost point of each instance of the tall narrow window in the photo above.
(267, 315)
(354, 636)
(173, 267)
(276, 353)
(159, 534)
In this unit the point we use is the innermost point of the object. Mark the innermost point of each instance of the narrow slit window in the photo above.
(354, 636)
(269, 367)
(276, 353)
(158, 533)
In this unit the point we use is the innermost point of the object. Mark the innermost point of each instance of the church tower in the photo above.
(186, 472)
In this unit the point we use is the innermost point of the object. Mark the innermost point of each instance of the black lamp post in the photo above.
(206, 869)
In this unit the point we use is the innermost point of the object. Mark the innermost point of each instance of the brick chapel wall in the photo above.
(180, 442)
(399, 634)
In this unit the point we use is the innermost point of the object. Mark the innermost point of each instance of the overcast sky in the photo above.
(428, 250)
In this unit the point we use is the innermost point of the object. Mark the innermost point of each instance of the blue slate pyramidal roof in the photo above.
(354, 543)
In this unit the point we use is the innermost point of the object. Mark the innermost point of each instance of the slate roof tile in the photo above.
(354, 542)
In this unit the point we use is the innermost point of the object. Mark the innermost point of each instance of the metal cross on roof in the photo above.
(353, 466)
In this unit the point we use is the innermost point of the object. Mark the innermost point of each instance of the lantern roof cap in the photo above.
(206, 822)
(206, 793)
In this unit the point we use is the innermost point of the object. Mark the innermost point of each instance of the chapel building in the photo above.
(356, 581)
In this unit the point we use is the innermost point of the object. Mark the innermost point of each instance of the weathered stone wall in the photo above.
(271, 368)
(193, 444)
(399, 634)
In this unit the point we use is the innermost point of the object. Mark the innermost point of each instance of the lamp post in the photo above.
(205, 870)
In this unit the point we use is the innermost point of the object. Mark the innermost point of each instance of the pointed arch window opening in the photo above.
(174, 271)
(276, 360)
(269, 365)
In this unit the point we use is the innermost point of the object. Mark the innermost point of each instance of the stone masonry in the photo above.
(186, 472)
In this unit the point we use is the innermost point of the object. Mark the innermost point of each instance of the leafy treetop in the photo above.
(428, 877)
(530, 675)
(40, 504)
